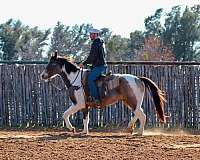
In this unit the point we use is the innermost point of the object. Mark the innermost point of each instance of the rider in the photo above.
(97, 59)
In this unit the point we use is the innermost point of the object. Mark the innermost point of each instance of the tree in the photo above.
(153, 24)
(181, 31)
(21, 42)
(118, 49)
(105, 34)
(155, 50)
(9, 34)
(31, 43)
(136, 41)
(189, 32)
(70, 40)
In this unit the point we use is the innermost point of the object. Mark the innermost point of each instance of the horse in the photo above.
(131, 91)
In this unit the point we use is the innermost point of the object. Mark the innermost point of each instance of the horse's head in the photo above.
(53, 68)
(57, 65)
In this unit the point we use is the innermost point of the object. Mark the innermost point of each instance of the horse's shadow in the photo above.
(68, 135)
(60, 136)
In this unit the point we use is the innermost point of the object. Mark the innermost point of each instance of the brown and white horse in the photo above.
(131, 90)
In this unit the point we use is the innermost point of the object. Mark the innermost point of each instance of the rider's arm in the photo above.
(92, 55)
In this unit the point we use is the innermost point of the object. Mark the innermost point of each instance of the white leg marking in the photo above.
(85, 123)
(142, 119)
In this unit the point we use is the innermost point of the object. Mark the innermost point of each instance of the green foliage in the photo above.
(180, 31)
(21, 42)
(9, 34)
(124, 49)
(118, 49)
(31, 43)
(153, 24)
(136, 41)
(105, 34)
(189, 32)
(70, 40)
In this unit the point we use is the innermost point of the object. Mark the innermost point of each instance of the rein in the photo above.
(60, 89)
(76, 77)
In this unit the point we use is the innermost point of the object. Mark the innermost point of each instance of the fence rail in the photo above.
(26, 101)
(111, 62)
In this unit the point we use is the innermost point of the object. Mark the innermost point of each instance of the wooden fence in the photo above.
(26, 101)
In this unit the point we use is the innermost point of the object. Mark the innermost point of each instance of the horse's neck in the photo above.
(65, 79)
(74, 78)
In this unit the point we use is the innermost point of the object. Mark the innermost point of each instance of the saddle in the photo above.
(105, 83)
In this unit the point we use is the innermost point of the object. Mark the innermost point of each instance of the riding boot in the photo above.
(91, 101)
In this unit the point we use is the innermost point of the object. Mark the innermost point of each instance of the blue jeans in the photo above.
(92, 77)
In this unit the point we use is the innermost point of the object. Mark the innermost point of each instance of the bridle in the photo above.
(67, 82)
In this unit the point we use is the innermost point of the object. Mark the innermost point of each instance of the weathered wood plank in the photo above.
(26, 100)
(1, 97)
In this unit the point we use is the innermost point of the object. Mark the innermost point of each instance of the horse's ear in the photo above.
(54, 55)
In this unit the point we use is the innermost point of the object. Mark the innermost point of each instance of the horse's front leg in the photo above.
(71, 110)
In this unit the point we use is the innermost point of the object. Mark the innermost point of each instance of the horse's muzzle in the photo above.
(44, 75)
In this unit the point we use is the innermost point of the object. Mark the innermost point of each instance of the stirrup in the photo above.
(91, 101)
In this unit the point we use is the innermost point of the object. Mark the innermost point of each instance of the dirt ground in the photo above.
(62, 145)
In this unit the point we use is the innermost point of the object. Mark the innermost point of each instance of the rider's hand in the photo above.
(81, 65)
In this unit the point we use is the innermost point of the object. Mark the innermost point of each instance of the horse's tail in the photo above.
(158, 97)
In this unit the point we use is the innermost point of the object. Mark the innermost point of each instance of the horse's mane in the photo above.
(70, 66)
(67, 58)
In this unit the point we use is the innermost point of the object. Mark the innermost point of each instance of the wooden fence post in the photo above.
(26, 101)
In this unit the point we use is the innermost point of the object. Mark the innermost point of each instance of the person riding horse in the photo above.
(130, 90)
(97, 59)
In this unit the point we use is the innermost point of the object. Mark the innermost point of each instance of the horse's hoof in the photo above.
(137, 134)
(73, 130)
(129, 130)
(84, 133)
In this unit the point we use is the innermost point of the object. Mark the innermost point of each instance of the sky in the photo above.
(120, 16)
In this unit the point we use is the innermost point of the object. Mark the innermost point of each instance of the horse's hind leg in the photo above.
(142, 118)
(134, 103)
(131, 124)
(138, 114)
(85, 120)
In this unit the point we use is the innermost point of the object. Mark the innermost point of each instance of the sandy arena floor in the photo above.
(62, 145)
